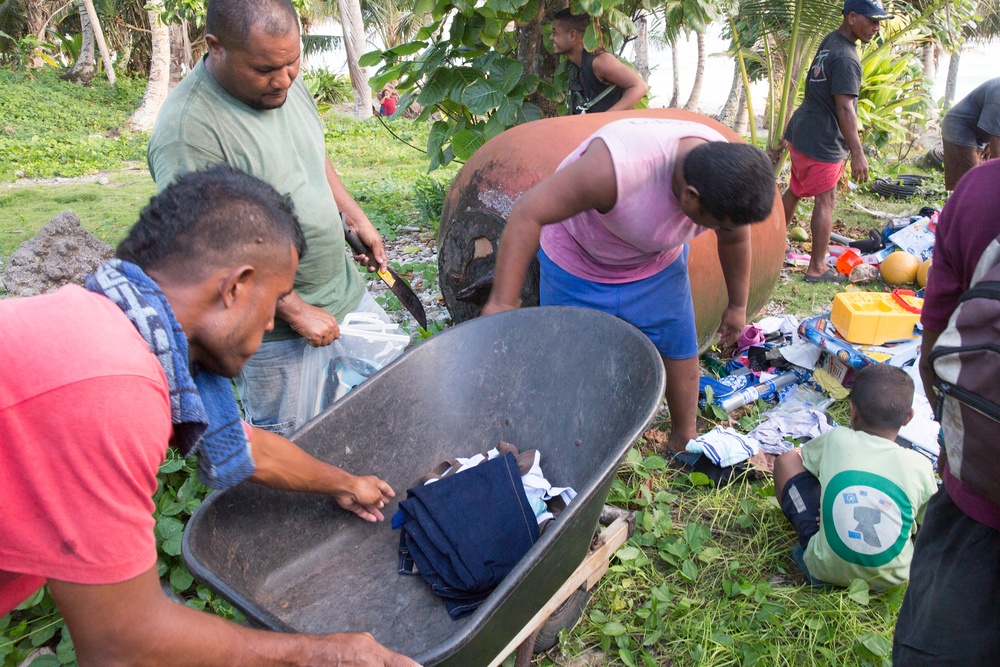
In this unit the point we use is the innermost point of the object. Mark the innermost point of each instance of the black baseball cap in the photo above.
(870, 8)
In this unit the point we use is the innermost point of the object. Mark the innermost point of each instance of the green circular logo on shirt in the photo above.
(866, 518)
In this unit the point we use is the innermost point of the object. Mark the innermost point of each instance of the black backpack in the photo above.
(966, 363)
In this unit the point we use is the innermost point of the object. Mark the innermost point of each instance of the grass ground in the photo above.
(705, 580)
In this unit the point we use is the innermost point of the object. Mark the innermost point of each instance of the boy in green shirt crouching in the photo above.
(855, 497)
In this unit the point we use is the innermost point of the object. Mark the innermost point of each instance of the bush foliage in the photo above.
(51, 128)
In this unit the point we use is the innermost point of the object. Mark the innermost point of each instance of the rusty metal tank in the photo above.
(487, 186)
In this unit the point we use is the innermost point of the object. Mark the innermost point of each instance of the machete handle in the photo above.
(357, 245)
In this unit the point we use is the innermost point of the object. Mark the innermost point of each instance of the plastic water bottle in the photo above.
(764, 389)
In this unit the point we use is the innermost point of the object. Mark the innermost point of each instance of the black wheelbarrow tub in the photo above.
(578, 385)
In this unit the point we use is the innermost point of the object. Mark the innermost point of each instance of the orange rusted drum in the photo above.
(485, 189)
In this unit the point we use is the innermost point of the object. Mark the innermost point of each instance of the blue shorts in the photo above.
(660, 306)
(800, 502)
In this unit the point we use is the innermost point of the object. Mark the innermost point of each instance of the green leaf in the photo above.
(170, 531)
(370, 59)
(466, 142)
(388, 74)
(506, 73)
(32, 600)
(722, 638)
(620, 22)
(494, 126)
(172, 508)
(597, 616)
(491, 31)
(47, 660)
(528, 11)
(462, 78)
(457, 30)
(590, 40)
(628, 553)
(878, 645)
(407, 49)
(436, 88)
(44, 634)
(654, 462)
(695, 534)
(526, 86)
(423, 7)
(431, 59)
(594, 8)
(699, 479)
(506, 113)
(66, 651)
(613, 629)
(171, 465)
(180, 578)
(709, 554)
(528, 112)
(481, 97)
(859, 591)
(813, 623)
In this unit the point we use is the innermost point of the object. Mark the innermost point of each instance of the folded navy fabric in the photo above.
(466, 532)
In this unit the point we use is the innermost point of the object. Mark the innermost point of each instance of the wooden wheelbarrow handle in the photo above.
(586, 576)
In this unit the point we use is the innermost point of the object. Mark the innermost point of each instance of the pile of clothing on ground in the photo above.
(802, 367)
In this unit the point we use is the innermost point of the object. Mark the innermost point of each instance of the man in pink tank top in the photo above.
(611, 228)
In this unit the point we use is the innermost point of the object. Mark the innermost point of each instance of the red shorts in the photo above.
(811, 177)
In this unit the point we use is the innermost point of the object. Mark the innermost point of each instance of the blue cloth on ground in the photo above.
(466, 532)
(203, 409)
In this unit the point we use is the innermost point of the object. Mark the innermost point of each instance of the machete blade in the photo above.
(399, 287)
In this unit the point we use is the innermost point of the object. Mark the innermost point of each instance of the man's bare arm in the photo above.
(133, 623)
(847, 118)
(281, 464)
(357, 220)
(317, 326)
(610, 70)
(585, 184)
(734, 255)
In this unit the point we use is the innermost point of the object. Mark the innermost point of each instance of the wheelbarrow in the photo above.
(578, 385)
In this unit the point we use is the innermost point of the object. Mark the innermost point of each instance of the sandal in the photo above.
(831, 276)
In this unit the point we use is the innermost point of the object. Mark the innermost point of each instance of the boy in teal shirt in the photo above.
(853, 495)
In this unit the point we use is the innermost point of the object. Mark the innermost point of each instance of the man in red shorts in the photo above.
(825, 128)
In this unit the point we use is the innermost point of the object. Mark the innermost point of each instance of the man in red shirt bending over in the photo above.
(97, 383)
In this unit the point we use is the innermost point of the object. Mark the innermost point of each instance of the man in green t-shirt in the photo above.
(244, 105)
(853, 495)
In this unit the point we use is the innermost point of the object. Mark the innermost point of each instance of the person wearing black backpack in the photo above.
(949, 615)
(601, 81)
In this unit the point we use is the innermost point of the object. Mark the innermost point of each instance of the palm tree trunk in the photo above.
(642, 48)
(743, 116)
(354, 45)
(699, 74)
(158, 86)
(675, 97)
(82, 70)
(727, 116)
(95, 23)
(927, 64)
(952, 82)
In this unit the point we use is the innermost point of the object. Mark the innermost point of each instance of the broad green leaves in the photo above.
(464, 66)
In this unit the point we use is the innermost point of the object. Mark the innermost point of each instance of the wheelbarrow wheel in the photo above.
(563, 618)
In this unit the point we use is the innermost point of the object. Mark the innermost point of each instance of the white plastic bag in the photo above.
(366, 344)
